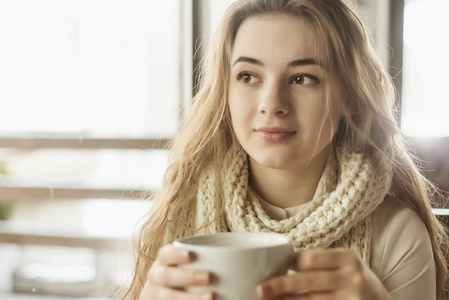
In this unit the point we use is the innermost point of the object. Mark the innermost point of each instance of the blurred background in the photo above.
(92, 90)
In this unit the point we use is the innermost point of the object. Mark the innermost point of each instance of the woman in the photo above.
(293, 131)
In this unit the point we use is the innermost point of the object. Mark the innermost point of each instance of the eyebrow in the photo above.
(303, 62)
(295, 63)
(249, 60)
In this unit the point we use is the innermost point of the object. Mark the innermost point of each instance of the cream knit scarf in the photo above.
(339, 215)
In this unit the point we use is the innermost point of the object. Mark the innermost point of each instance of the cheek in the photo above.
(232, 102)
(236, 113)
(335, 116)
(232, 109)
(320, 123)
(330, 126)
(312, 114)
(240, 108)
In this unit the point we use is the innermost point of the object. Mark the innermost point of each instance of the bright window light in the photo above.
(90, 67)
(425, 100)
(115, 219)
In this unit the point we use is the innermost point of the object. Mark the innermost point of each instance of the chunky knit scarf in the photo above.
(339, 215)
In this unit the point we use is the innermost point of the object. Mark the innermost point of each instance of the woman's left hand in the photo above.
(323, 274)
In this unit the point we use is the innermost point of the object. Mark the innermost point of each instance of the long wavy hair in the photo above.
(368, 123)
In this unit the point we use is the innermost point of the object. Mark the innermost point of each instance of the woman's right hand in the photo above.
(166, 280)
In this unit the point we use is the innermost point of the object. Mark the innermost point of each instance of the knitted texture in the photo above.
(339, 215)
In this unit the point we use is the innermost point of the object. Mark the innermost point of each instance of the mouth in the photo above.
(274, 134)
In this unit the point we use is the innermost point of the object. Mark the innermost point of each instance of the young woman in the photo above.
(293, 131)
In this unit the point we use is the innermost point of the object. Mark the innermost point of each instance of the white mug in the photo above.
(238, 261)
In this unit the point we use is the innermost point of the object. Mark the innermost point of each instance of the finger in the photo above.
(317, 259)
(170, 256)
(315, 296)
(167, 293)
(301, 283)
(178, 277)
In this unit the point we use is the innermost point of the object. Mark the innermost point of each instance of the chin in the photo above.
(274, 161)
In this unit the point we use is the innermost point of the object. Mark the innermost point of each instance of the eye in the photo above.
(247, 78)
(304, 79)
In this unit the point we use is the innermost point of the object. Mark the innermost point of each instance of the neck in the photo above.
(288, 187)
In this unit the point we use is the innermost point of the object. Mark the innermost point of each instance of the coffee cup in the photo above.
(238, 261)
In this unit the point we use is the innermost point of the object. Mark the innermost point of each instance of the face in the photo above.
(276, 93)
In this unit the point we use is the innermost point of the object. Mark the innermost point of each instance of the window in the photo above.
(425, 101)
(91, 92)
(66, 64)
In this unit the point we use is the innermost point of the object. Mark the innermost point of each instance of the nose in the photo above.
(273, 100)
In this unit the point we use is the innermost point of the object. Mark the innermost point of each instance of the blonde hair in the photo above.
(368, 123)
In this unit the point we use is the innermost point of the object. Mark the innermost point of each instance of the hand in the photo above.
(324, 274)
(166, 281)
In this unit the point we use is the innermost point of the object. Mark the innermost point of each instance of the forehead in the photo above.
(276, 37)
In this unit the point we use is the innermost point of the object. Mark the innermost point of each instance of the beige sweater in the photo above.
(401, 254)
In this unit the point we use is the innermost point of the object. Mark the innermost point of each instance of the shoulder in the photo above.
(401, 255)
(397, 228)
(393, 214)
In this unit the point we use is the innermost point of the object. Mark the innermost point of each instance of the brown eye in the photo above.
(247, 78)
(299, 79)
(304, 79)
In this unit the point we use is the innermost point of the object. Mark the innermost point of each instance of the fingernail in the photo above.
(263, 291)
(185, 254)
(207, 296)
(202, 277)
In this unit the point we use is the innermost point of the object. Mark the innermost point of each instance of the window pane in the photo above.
(90, 67)
(94, 169)
(425, 99)
(66, 268)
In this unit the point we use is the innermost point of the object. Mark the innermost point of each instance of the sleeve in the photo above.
(402, 255)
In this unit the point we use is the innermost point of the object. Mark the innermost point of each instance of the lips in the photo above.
(274, 134)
